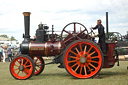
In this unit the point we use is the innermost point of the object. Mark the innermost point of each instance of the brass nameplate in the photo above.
(37, 48)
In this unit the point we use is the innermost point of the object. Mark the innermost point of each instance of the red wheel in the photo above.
(79, 31)
(83, 59)
(22, 67)
(39, 65)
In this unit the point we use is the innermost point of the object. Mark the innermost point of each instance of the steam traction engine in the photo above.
(77, 52)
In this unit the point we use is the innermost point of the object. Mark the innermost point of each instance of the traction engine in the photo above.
(74, 50)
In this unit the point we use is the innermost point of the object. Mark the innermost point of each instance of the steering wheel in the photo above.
(72, 35)
(92, 32)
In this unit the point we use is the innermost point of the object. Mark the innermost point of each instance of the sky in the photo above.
(61, 12)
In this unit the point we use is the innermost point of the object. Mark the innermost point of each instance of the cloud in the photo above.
(60, 13)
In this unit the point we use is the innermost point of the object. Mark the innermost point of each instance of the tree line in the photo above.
(5, 36)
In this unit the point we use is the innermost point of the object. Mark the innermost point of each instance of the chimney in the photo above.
(26, 36)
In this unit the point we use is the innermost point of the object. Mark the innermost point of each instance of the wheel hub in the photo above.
(21, 67)
(74, 35)
(83, 60)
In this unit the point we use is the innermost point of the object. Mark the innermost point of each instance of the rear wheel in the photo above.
(83, 59)
(39, 65)
(22, 67)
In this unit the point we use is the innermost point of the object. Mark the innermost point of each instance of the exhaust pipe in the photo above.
(107, 36)
(26, 36)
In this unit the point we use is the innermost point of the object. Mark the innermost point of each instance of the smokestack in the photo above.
(107, 25)
(27, 25)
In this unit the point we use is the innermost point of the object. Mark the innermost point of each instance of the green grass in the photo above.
(56, 76)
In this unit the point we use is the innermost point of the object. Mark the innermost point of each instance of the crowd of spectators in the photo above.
(7, 53)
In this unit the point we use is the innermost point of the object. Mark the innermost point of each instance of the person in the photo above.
(13, 53)
(4, 54)
(19, 52)
(9, 53)
(101, 35)
(1, 52)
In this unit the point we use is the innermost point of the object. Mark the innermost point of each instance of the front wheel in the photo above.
(83, 59)
(22, 67)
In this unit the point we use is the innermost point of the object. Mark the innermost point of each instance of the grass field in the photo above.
(56, 76)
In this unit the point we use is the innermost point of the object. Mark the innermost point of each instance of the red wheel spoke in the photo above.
(74, 65)
(16, 69)
(22, 61)
(68, 39)
(16, 65)
(77, 68)
(89, 68)
(36, 60)
(81, 69)
(22, 74)
(94, 61)
(78, 51)
(38, 66)
(25, 72)
(85, 49)
(94, 57)
(80, 47)
(72, 61)
(36, 69)
(73, 52)
(85, 70)
(78, 37)
(18, 72)
(73, 57)
(92, 65)
(67, 32)
(74, 27)
(19, 62)
(27, 66)
(89, 49)
(81, 32)
(92, 53)
(26, 62)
